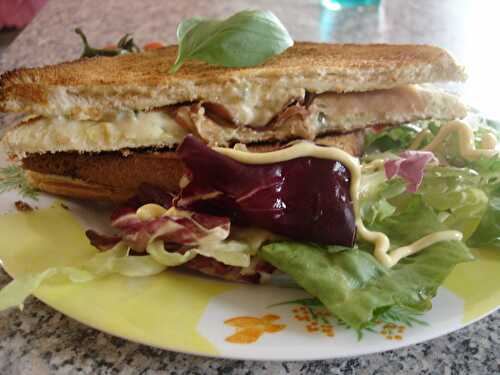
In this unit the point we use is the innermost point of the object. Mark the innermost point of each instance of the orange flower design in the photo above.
(249, 329)
(392, 331)
(317, 319)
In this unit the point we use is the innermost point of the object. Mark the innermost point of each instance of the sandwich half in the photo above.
(100, 128)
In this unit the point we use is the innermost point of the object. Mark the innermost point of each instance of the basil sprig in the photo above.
(247, 38)
(125, 45)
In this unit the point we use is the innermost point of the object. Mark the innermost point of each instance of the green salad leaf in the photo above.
(393, 314)
(391, 138)
(230, 252)
(247, 38)
(488, 231)
(355, 287)
(13, 177)
(119, 261)
(455, 193)
(114, 261)
(187, 25)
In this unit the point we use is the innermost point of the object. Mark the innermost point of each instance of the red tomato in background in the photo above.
(153, 45)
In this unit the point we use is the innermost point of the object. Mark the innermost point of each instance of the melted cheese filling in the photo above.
(122, 130)
(327, 112)
(256, 104)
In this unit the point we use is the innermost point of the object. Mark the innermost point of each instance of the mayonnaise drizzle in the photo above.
(374, 165)
(419, 138)
(466, 140)
(489, 141)
(415, 247)
(380, 240)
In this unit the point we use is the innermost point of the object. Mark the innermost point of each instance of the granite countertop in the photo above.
(42, 341)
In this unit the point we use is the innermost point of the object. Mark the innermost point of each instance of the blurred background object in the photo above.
(343, 4)
(18, 13)
(14, 16)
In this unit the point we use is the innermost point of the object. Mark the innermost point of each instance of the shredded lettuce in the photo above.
(119, 261)
(14, 293)
(391, 138)
(233, 253)
(460, 196)
(114, 261)
(170, 259)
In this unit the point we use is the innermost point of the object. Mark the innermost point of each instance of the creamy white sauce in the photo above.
(466, 140)
(446, 235)
(489, 141)
(375, 164)
(419, 139)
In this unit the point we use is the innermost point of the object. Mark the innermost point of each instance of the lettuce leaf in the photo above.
(457, 195)
(118, 261)
(114, 261)
(355, 287)
(488, 231)
(233, 253)
(391, 138)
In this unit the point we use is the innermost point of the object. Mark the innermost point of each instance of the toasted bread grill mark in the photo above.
(114, 176)
(142, 80)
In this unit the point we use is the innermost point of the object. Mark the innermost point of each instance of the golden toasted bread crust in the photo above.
(75, 188)
(113, 176)
(140, 81)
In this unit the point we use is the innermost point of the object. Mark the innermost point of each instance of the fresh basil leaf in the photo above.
(187, 25)
(247, 38)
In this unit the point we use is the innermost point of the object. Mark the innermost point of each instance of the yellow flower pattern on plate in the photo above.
(316, 318)
(250, 329)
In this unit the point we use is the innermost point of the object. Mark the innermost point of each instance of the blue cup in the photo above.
(343, 4)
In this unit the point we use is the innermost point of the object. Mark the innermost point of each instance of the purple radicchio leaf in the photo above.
(172, 229)
(306, 198)
(410, 166)
(178, 231)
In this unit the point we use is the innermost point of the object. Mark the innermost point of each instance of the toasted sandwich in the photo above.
(326, 166)
(100, 128)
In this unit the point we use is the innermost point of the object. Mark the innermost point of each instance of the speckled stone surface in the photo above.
(42, 341)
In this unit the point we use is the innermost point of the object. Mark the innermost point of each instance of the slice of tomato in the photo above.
(153, 45)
